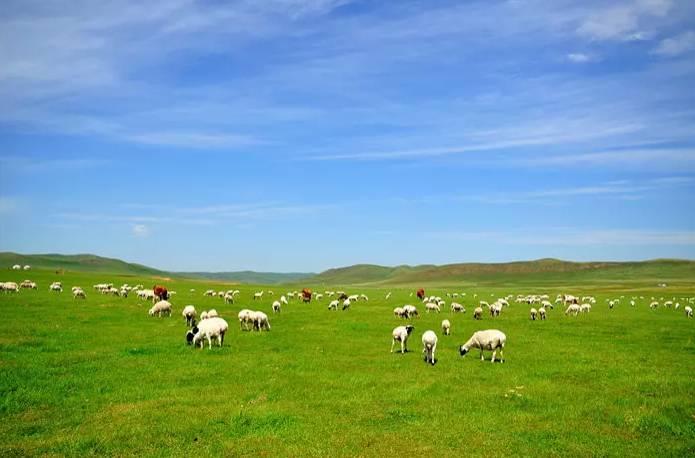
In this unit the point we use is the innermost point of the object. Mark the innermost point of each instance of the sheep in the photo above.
(478, 313)
(258, 296)
(432, 306)
(585, 308)
(209, 292)
(212, 327)
(398, 312)
(79, 293)
(400, 334)
(446, 327)
(318, 297)
(688, 311)
(572, 309)
(28, 284)
(276, 306)
(410, 311)
(283, 300)
(260, 321)
(228, 298)
(541, 313)
(161, 308)
(490, 339)
(245, 317)
(192, 332)
(653, 305)
(388, 295)
(56, 287)
(212, 313)
(333, 305)
(456, 307)
(189, 314)
(429, 344)
(346, 304)
(534, 312)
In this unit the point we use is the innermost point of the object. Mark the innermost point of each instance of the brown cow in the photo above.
(421, 294)
(160, 292)
(306, 295)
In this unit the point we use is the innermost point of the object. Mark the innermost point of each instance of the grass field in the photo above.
(100, 377)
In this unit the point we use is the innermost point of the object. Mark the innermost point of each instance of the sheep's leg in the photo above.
(494, 352)
(209, 343)
(392, 343)
(433, 350)
(501, 355)
(482, 357)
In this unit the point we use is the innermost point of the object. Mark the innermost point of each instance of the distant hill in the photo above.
(249, 276)
(93, 263)
(78, 263)
(513, 272)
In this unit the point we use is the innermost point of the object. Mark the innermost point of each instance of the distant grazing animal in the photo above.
(446, 327)
(688, 311)
(491, 339)
(306, 295)
(160, 292)
(420, 294)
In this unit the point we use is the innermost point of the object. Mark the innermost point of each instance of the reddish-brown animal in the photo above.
(421, 294)
(161, 292)
(306, 295)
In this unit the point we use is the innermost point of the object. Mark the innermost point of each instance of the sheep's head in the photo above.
(463, 350)
(189, 337)
(151, 312)
(409, 328)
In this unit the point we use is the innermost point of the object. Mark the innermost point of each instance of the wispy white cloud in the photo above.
(141, 231)
(27, 164)
(579, 58)
(675, 46)
(625, 21)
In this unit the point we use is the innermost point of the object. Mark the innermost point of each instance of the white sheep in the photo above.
(245, 318)
(534, 312)
(572, 309)
(161, 309)
(258, 295)
(541, 313)
(688, 311)
(490, 339)
(400, 334)
(212, 313)
(276, 307)
(585, 308)
(431, 306)
(429, 344)
(260, 321)
(478, 313)
(388, 295)
(207, 329)
(189, 314)
(333, 305)
(283, 300)
(411, 311)
(79, 293)
(346, 304)
(446, 327)
(456, 307)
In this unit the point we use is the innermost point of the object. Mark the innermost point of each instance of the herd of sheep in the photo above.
(212, 327)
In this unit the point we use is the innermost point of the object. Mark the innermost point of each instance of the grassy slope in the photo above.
(545, 271)
(250, 277)
(77, 262)
(100, 377)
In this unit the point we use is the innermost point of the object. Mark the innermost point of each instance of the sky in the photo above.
(300, 135)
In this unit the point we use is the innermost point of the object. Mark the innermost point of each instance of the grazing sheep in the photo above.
(653, 305)
(457, 308)
(573, 309)
(209, 292)
(56, 287)
(429, 344)
(478, 313)
(258, 296)
(203, 315)
(228, 298)
(245, 318)
(534, 312)
(490, 339)
(446, 327)
(212, 313)
(400, 334)
(161, 309)
(398, 312)
(79, 293)
(430, 306)
(189, 314)
(283, 300)
(333, 305)
(260, 321)
(388, 295)
(411, 311)
(276, 307)
(585, 308)
(541, 313)
(346, 304)
(212, 327)
(688, 311)
(192, 332)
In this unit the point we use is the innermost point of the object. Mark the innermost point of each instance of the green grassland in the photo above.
(100, 377)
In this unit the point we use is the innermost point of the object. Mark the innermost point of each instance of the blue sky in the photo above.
(298, 135)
